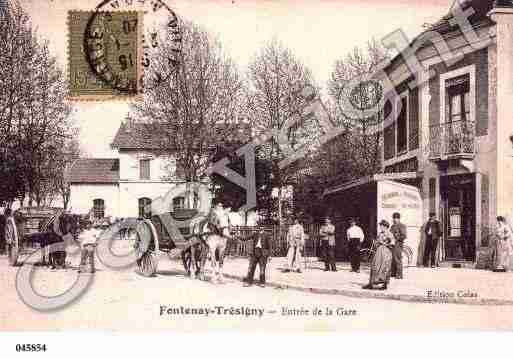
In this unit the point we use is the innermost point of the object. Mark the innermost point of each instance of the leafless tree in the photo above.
(275, 80)
(34, 112)
(365, 137)
(63, 161)
(197, 107)
(16, 45)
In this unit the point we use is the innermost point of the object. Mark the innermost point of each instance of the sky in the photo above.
(318, 32)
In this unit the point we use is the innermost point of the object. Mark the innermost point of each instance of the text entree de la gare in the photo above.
(214, 310)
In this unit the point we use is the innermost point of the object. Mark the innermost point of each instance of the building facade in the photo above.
(124, 186)
(452, 137)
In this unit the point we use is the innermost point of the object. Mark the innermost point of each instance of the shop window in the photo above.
(144, 207)
(98, 208)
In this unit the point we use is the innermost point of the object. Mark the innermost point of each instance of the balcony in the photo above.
(454, 140)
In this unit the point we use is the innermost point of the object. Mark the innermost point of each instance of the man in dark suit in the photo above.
(260, 250)
(433, 231)
(398, 230)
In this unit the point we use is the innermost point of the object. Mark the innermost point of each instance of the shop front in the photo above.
(372, 199)
(458, 217)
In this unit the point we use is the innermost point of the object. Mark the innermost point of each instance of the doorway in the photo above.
(458, 205)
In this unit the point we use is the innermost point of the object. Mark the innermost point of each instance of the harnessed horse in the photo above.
(53, 231)
(217, 242)
(196, 255)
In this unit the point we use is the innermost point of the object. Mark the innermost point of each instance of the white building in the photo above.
(123, 186)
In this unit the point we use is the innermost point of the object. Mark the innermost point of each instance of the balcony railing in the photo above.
(452, 140)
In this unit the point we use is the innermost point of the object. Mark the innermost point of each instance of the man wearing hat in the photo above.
(260, 250)
(355, 237)
(433, 231)
(327, 235)
(398, 230)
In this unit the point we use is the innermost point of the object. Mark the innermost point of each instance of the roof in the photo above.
(370, 179)
(94, 170)
(480, 17)
(139, 136)
(481, 9)
(152, 136)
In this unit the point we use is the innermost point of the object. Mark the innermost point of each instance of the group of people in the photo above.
(386, 262)
(86, 238)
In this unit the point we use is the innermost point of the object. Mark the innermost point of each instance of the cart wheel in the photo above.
(148, 264)
(13, 242)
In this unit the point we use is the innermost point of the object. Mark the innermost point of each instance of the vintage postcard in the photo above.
(255, 165)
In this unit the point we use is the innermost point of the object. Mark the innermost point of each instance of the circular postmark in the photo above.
(118, 44)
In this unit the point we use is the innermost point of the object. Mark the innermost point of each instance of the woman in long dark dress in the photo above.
(381, 264)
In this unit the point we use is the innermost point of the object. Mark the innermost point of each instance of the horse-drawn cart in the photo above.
(175, 233)
(24, 230)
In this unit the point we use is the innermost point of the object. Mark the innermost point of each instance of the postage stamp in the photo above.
(104, 52)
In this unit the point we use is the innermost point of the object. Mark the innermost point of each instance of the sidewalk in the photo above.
(437, 285)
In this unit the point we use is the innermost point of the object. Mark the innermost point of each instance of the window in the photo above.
(178, 203)
(458, 97)
(98, 208)
(144, 207)
(402, 127)
(458, 128)
(144, 169)
(458, 92)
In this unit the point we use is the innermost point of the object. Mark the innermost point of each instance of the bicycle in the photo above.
(367, 253)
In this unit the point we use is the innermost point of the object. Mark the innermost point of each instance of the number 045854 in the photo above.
(30, 347)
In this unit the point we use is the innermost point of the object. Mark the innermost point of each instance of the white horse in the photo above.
(216, 247)
(216, 238)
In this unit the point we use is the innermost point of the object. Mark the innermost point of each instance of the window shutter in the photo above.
(144, 169)
(432, 195)
(414, 120)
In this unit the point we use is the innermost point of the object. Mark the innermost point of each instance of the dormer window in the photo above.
(144, 169)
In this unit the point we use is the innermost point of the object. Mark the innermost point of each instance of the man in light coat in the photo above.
(296, 243)
(355, 236)
(88, 240)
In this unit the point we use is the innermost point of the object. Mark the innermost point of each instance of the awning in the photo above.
(374, 178)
